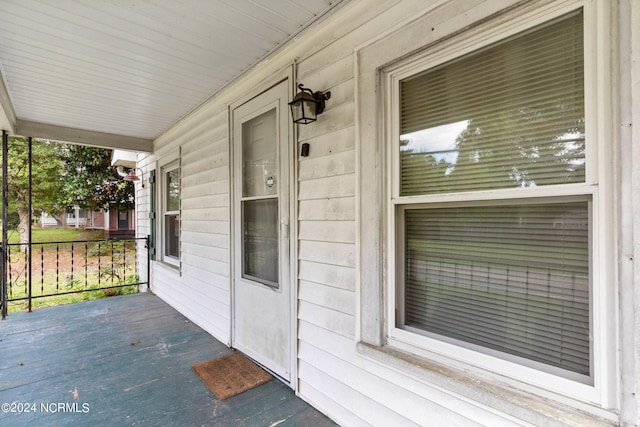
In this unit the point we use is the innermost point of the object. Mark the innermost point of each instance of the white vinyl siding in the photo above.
(350, 363)
(200, 289)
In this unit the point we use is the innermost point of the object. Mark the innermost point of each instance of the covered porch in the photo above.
(125, 361)
(120, 76)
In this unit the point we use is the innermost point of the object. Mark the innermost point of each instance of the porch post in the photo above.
(5, 202)
(30, 210)
(148, 247)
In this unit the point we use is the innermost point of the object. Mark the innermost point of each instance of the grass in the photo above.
(40, 235)
(16, 306)
(57, 268)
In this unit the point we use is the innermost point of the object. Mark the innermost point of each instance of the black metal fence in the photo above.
(50, 270)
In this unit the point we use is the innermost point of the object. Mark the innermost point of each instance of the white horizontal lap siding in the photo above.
(332, 375)
(200, 290)
(326, 238)
(334, 368)
(142, 208)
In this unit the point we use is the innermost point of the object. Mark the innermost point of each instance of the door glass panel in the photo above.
(260, 241)
(259, 155)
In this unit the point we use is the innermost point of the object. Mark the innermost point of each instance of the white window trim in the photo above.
(166, 164)
(376, 290)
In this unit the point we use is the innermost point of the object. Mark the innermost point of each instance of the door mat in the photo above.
(229, 375)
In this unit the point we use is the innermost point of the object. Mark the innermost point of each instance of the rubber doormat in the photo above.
(229, 375)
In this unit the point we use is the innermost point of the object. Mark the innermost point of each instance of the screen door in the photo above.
(262, 322)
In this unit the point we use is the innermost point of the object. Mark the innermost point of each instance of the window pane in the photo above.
(172, 235)
(510, 115)
(511, 278)
(173, 190)
(259, 155)
(260, 241)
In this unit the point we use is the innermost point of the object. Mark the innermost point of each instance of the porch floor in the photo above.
(125, 361)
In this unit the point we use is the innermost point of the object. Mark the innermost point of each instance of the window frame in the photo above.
(170, 164)
(381, 332)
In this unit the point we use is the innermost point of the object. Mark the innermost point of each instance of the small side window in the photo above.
(170, 206)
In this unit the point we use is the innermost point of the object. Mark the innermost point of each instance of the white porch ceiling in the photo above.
(129, 69)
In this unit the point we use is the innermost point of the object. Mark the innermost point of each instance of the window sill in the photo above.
(169, 265)
(490, 394)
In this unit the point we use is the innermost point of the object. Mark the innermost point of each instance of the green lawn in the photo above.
(57, 235)
(97, 264)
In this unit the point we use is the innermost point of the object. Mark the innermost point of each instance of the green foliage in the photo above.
(90, 182)
(109, 247)
(46, 171)
(62, 176)
(13, 219)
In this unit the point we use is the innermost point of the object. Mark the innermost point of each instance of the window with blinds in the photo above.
(171, 212)
(509, 278)
(510, 115)
(512, 278)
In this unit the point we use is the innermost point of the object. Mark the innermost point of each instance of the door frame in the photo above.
(285, 75)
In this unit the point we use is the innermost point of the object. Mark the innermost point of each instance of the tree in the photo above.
(90, 182)
(63, 176)
(46, 184)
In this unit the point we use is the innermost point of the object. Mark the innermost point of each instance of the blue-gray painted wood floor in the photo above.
(125, 361)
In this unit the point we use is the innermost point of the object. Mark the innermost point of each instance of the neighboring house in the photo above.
(76, 218)
(455, 241)
(47, 220)
(116, 224)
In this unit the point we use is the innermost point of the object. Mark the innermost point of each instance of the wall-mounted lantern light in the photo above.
(307, 105)
(131, 176)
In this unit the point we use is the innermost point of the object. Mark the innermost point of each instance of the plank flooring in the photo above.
(125, 361)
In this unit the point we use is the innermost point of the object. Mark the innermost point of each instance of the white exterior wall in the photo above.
(629, 206)
(334, 374)
(200, 288)
(142, 220)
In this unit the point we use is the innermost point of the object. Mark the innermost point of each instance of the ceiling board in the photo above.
(135, 67)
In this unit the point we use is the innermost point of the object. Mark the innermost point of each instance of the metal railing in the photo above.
(53, 269)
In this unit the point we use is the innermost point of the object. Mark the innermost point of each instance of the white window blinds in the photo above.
(509, 278)
(510, 115)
